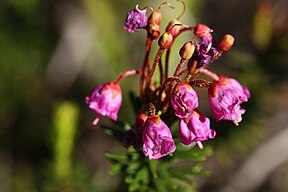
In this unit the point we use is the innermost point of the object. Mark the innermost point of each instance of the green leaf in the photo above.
(193, 169)
(117, 157)
(165, 176)
(159, 183)
(134, 187)
(115, 168)
(181, 176)
(153, 165)
(143, 176)
(194, 153)
(129, 179)
(139, 182)
(133, 167)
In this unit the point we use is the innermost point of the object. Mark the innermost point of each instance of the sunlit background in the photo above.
(54, 52)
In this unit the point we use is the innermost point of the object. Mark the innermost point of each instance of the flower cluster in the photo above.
(173, 97)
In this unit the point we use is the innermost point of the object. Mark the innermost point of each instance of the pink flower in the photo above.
(157, 138)
(136, 19)
(134, 135)
(184, 100)
(105, 101)
(195, 128)
(225, 97)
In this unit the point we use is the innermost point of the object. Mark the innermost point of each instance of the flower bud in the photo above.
(141, 119)
(155, 18)
(187, 50)
(173, 28)
(153, 31)
(165, 40)
(202, 30)
(226, 42)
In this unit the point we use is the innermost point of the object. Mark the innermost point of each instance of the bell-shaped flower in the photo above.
(195, 128)
(184, 100)
(225, 97)
(157, 138)
(134, 135)
(136, 19)
(105, 101)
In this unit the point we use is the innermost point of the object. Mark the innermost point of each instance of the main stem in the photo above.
(145, 66)
(153, 69)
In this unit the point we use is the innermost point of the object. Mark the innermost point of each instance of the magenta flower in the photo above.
(136, 19)
(157, 138)
(134, 135)
(204, 52)
(195, 128)
(105, 101)
(184, 100)
(225, 97)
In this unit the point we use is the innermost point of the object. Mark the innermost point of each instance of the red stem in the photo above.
(145, 66)
(210, 74)
(186, 29)
(165, 3)
(180, 65)
(161, 71)
(169, 50)
(167, 60)
(127, 73)
(183, 11)
(169, 86)
(152, 109)
(156, 61)
(183, 71)
(191, 70)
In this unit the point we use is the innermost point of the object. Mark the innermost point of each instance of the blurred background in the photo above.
(54, 52)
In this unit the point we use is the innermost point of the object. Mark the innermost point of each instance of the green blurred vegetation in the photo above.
(46, 140)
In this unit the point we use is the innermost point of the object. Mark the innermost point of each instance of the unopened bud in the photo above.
(226, 42)
(187, 50)
(140, 120)
(165, 40)
(173, 27)
(202, 30)
(155, 18)
(153, 31)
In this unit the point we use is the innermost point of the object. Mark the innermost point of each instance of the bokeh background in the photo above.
(54, 52)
